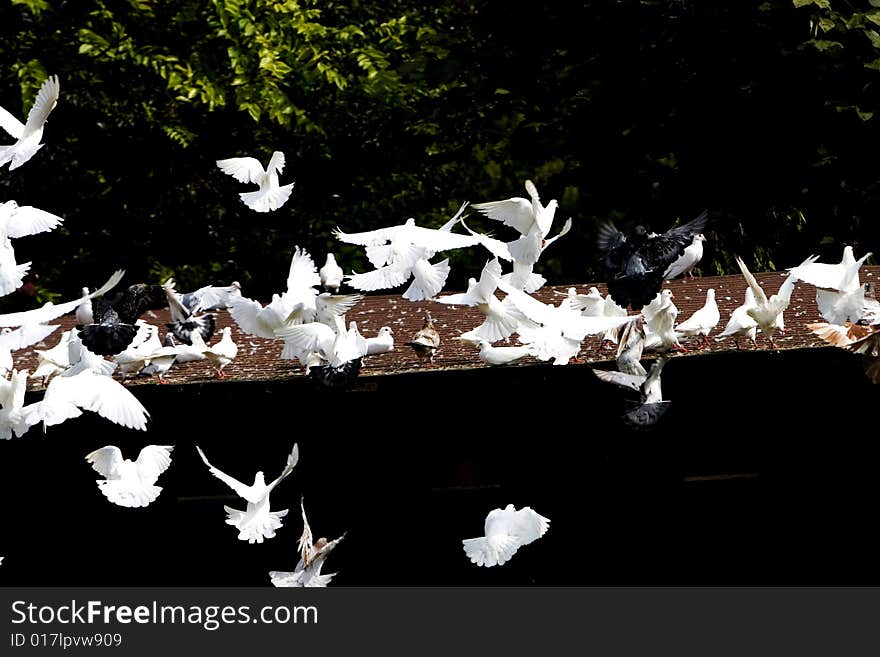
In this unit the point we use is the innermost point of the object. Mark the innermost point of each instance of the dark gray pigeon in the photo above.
(635, 266)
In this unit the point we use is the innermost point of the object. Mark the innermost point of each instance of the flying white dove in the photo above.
(12, 420)
(29, 134)
(312, 555)
(271, 195)
(404, 251)
(258, 522)
(501, 322)
(840, 296)
(702, 321)
(15, 340)
(506, 531)
(530, 218)
(126, 483)
(687, 260)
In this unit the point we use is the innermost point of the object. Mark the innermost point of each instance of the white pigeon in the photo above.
(84, 310)
(843, 277)
(257, 522)
(769, 313)
(741, 324)
(687, 260)
(81, 358)
(159, 360)
(223, 352)
(331, 275)
(702, 321)
(404, 251)
(501, 322)
(530, 218)
(299, 303)
(54, 360)
(51, 311)
(19, 221)
(126, 483)
(612, 309)
(17, 339)
(12, 420)
(136, 356)
(28, 135)
(11, 272)
(382, 343)
(312, 555)
(631, 347)
(271, 194)
(506, 531)
(189, 353)
(660, 316)
(503, 355)
(336, 345)
(209, 297)
(67, 396)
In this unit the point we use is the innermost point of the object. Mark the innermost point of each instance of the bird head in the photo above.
(259, 479)
(385, 330)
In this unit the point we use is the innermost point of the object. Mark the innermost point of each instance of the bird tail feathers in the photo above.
(265, 200)
(127, 495)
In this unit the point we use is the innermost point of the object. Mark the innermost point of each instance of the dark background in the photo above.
(410, 476)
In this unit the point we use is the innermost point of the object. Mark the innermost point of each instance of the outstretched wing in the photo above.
(105, 461)
(153, 461)
(661, 251)
(292, 460)
(243, 169)
(26, 220)
(47, 97)
(233, 483)
(609, 237)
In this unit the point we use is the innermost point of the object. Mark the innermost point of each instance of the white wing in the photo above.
(10, 124)
(49, 312)
(106, 461)
(234, 484)
(292, 460)
(379, 279)
(25, 336)
(630, 381)
(246, 313)
(152, 461)
(243, 169)
(306, 338)
(515, 212)
(303, 273)
(27, 220)
(276, 162)
(495, 246)
(99, 394)
(528, 525)
(47, 97)
(758, 291)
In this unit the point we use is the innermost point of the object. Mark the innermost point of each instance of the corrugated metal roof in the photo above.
(258, 359)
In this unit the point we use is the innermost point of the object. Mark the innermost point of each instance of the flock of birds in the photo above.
(308, 318)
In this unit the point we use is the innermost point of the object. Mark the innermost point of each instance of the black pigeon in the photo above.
(113, 327)
(185, 323)
(336, 377)
(635, 266)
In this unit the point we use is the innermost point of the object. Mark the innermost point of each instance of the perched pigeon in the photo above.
(126, 483)
(223, 352)
(687, 260)
(159, 360)
(331, 275)
(258, 522)
(741, 324)
(382, 343)
(426, 340)
(660, 316)
(636, 266)
(312, 555)
(29, 134)
(702, 321)
(503, 355)
(271, 194)
(506, 531)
